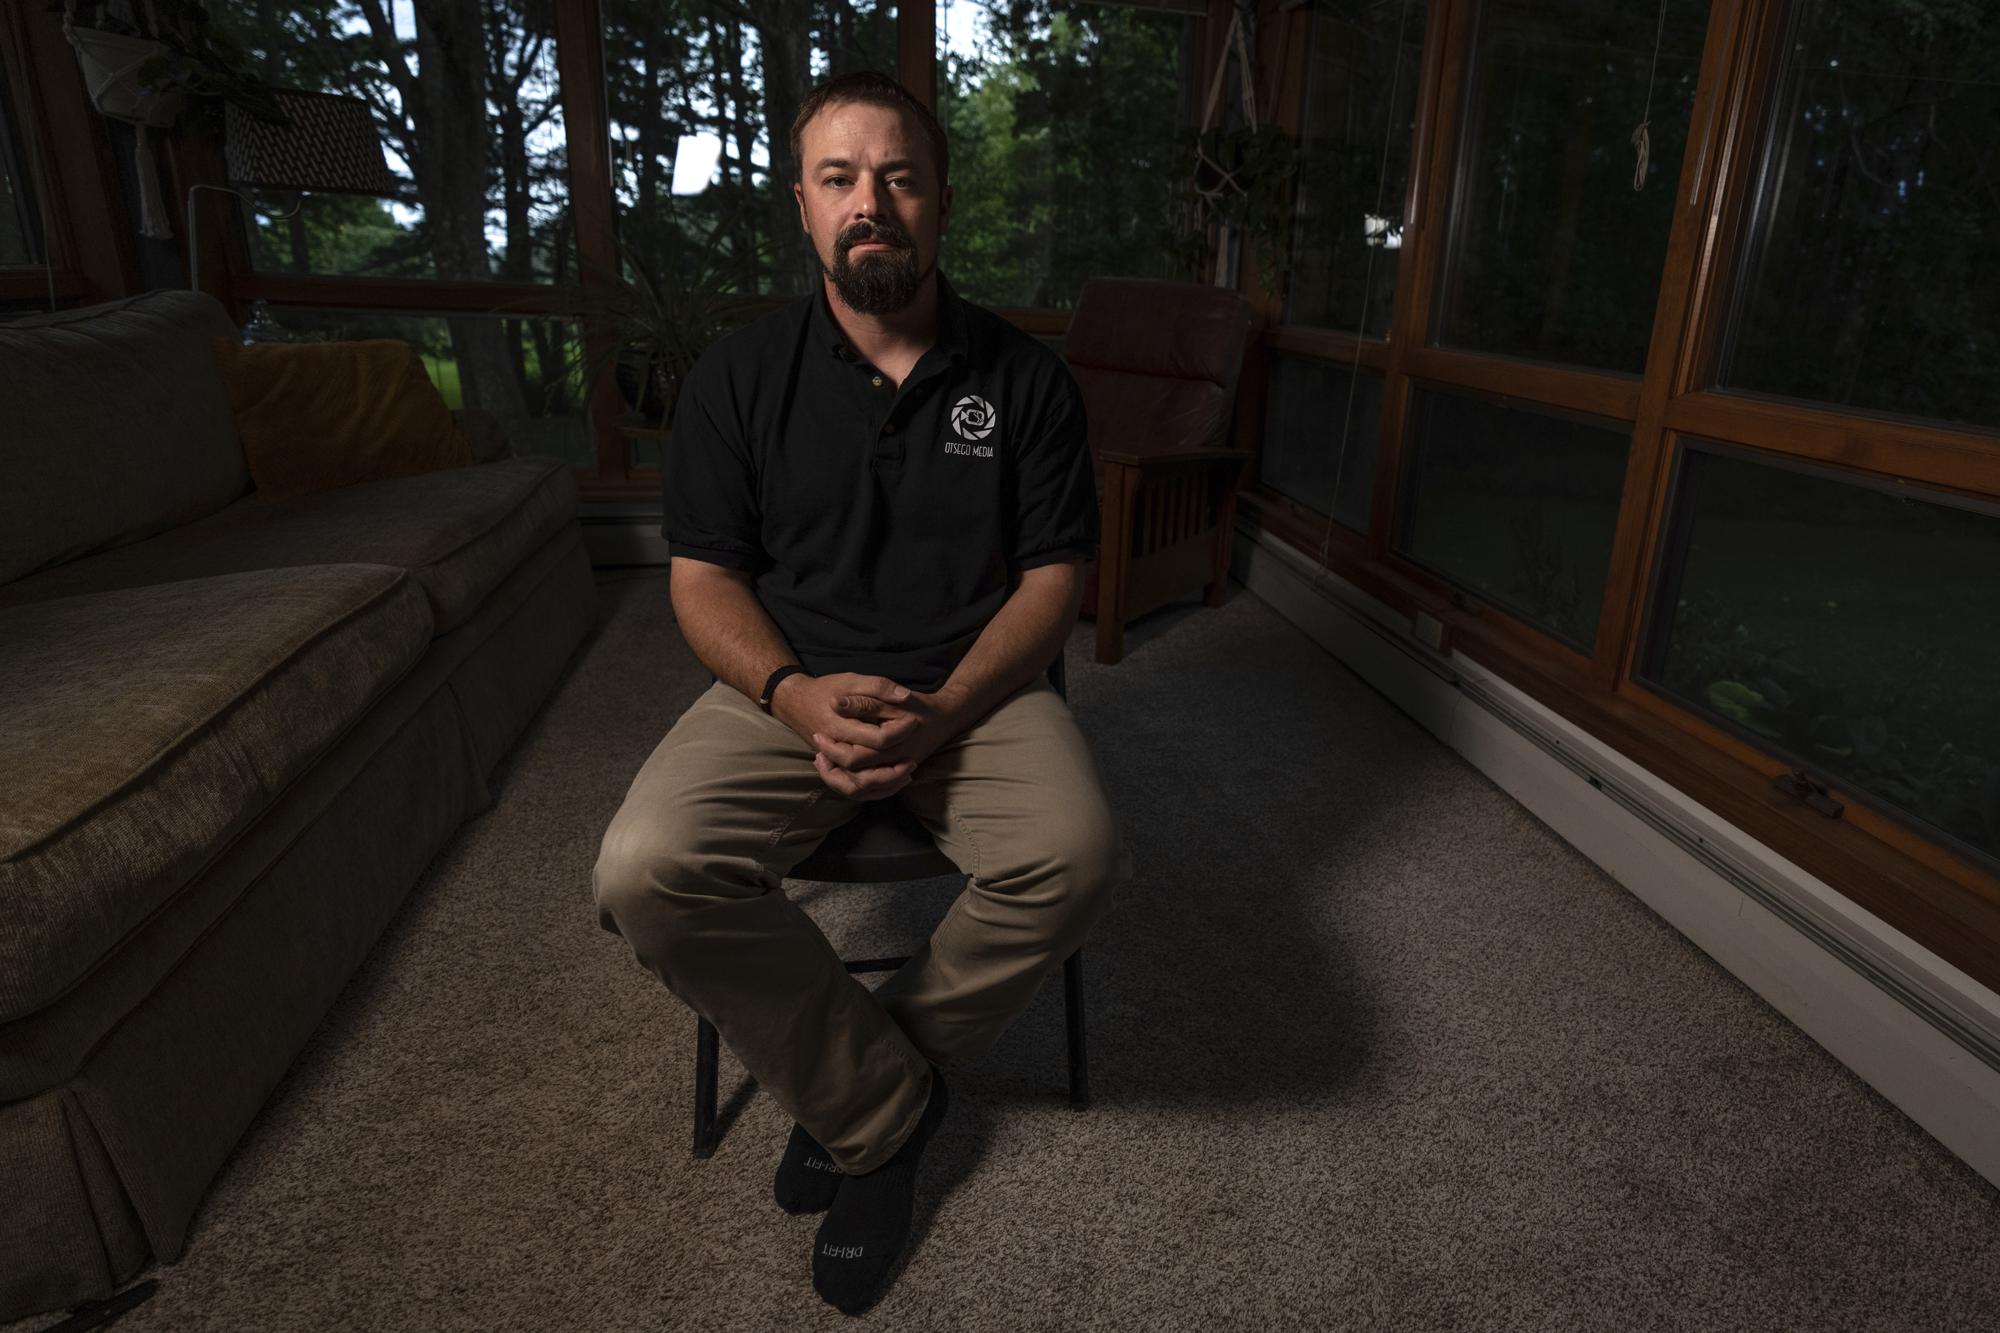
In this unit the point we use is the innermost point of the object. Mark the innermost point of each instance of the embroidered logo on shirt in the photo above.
(973, 418)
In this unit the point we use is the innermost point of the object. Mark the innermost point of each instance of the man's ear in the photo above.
(799, 194)
(944, 210)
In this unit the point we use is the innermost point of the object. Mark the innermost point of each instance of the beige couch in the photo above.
(233, 733)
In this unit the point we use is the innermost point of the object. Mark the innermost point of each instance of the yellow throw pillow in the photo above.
(314, 416)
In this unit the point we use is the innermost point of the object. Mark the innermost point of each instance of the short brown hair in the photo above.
(872, 89)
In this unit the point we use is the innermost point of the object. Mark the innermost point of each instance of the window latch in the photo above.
(1802, 788)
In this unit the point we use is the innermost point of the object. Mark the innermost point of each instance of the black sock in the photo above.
(865, 1230)
(807, 1175)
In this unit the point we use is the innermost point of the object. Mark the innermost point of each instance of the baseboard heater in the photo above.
(1916, 1029)
(623, 534)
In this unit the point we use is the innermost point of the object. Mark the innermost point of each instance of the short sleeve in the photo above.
(1056, 492)
(708, 482)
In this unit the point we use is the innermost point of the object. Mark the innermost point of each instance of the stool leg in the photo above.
(1079, 1056)
(705, 1060)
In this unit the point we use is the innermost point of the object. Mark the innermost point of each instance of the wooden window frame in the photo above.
(1946, 901)
(579, 44)
(87, 255)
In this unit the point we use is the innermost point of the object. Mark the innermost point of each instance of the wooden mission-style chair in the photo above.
(1158, 364)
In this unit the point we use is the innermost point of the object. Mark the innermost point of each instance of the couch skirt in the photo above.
(105, 1171)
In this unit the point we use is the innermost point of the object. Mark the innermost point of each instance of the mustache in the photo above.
(862, 232)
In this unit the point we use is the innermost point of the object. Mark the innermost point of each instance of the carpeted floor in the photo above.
(1371, 1047)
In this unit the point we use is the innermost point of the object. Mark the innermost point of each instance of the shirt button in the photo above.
(889, 429)
(876, 381)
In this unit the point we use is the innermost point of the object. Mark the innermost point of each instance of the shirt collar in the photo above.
(954, 330)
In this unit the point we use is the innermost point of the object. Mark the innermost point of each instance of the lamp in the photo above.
(327, 144)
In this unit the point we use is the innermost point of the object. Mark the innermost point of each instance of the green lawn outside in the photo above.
(1869, 653)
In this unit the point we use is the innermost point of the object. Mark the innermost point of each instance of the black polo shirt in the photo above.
(885, 525)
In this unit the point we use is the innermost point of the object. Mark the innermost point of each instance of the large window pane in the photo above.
(469, 110)
(1362, 71)
(1322, 425)
(702, 95)
(1844, 627)
(20, 228)
(1516, 507)
(1067, 123)
(470, 114)
(547, 420)
(1553, 254)
(1867, 281)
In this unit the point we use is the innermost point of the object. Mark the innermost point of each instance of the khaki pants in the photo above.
(726, 806)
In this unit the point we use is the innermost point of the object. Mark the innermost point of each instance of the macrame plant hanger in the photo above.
(1642, 138)
(1212, 181)
(111, 62)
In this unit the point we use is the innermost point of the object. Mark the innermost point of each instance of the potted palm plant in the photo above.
(673, 295)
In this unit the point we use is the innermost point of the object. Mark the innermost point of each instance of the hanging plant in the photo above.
(1242, 181)
(160, 64)
(164, 65)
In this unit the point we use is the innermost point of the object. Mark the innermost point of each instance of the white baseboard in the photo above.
(622, 534)
(1916, 1029)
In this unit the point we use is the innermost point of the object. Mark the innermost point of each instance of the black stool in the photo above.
(886, 844)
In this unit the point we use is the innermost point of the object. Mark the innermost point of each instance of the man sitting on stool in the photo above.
(878, 505)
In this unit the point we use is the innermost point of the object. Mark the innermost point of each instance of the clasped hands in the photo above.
(868, 733)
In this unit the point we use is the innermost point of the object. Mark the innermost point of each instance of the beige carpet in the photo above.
(1372, 1048)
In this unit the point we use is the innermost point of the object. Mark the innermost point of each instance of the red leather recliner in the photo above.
(1158, 364)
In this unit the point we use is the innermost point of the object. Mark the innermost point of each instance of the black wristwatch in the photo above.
(771, 685)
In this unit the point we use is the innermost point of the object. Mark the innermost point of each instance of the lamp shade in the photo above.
(329, 146)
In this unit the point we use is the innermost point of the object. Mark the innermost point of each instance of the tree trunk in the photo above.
(295, 232)
(450, 121)
(743, 126)
(784, 32)
(552, 353)
(517, 264)
(718, 120)
(651, 149)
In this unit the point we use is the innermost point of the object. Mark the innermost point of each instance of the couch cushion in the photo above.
(318, 416)
(458, 533)
(141, 729)
(116, 427)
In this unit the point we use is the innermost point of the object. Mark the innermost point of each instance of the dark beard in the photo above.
(885, 281)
